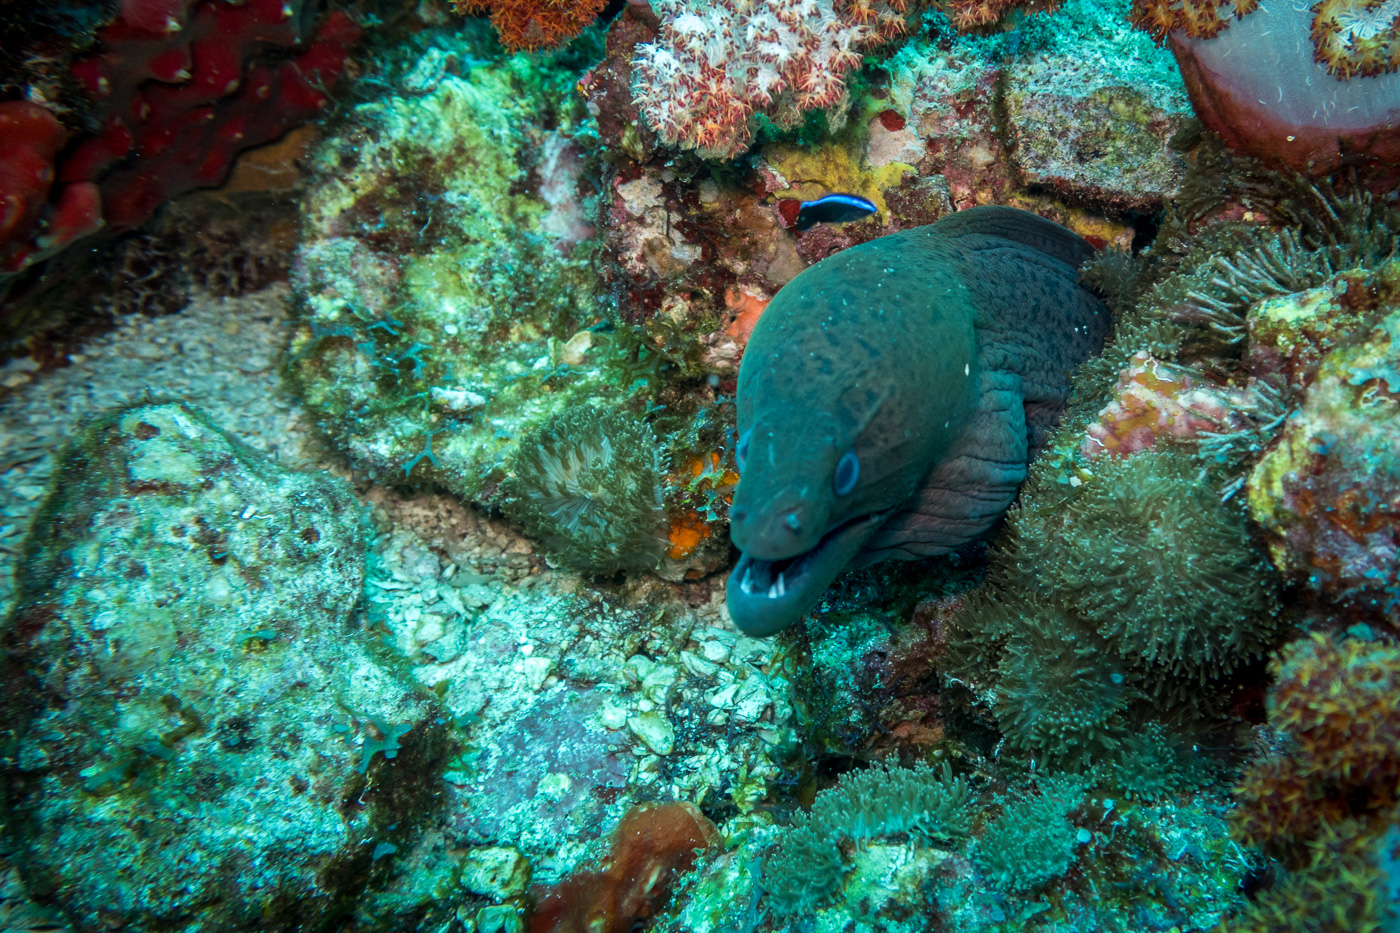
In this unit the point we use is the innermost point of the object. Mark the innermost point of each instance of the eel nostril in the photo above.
(793, 522)
(739, 515)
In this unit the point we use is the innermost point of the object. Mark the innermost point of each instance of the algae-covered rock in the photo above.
(1328, 492)
(1090, 111)
(442, 276)
(203, 739)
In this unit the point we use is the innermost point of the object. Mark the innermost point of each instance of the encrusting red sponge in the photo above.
(653, 844)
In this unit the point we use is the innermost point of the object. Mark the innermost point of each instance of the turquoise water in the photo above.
(384, 409)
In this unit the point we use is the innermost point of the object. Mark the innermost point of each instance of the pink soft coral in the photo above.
(716, 64)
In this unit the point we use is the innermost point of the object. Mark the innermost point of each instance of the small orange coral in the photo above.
(535, 24)
(704, 487)
(1356, 37)
(1200, 19)
(654, 843)
(971, 15)
(1338, 705)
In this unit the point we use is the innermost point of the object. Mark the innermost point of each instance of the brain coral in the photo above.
(588, 483)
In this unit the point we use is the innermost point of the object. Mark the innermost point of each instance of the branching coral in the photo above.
(1032, 840)
(883, 801)
(535, 24)
(715, 65)
(588, 483)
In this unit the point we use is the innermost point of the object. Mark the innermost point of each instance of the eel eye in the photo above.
(741, 451)
(847, 472)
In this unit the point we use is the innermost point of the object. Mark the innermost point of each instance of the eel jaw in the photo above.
(766, 596)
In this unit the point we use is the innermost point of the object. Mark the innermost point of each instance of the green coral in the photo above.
(1060, 688)
(1116, 602)
(1147, 554)
(883, 801)
(1032, 840)
(588, 483)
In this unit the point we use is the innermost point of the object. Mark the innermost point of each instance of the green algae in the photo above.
(438, 294)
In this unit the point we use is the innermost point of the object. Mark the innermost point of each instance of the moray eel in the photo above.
(891, 396)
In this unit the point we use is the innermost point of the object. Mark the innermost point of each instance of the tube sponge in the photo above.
(1147, 554)
(588, 482)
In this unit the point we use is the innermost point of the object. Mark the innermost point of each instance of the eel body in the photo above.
(891, 396)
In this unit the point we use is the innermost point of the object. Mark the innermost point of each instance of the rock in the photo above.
(497, 872)
(1328, 492)
(1090, 114)
(203, 737)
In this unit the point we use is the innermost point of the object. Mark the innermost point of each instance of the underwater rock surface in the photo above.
(183, 658)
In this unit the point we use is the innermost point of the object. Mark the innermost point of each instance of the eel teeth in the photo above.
(778, 589)
(747, 584)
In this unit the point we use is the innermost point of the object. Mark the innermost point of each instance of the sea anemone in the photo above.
(1032, 840)
(1147, 554)
(588, 482)
(1060, 687)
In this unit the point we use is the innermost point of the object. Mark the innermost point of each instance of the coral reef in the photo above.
(427, 354)
(535, 24)
(1334, 703)
(513, 699)
(167, 562)
(425, 349)
(1323, 799)
(1327, 492)
(715, 65)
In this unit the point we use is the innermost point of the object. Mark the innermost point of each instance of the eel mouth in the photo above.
(766, 596)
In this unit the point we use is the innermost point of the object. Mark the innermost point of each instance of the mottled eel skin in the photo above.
(891, 396)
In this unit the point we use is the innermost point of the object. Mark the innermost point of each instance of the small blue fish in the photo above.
(833, 209)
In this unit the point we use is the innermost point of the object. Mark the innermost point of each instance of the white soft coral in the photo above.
(718, 62)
